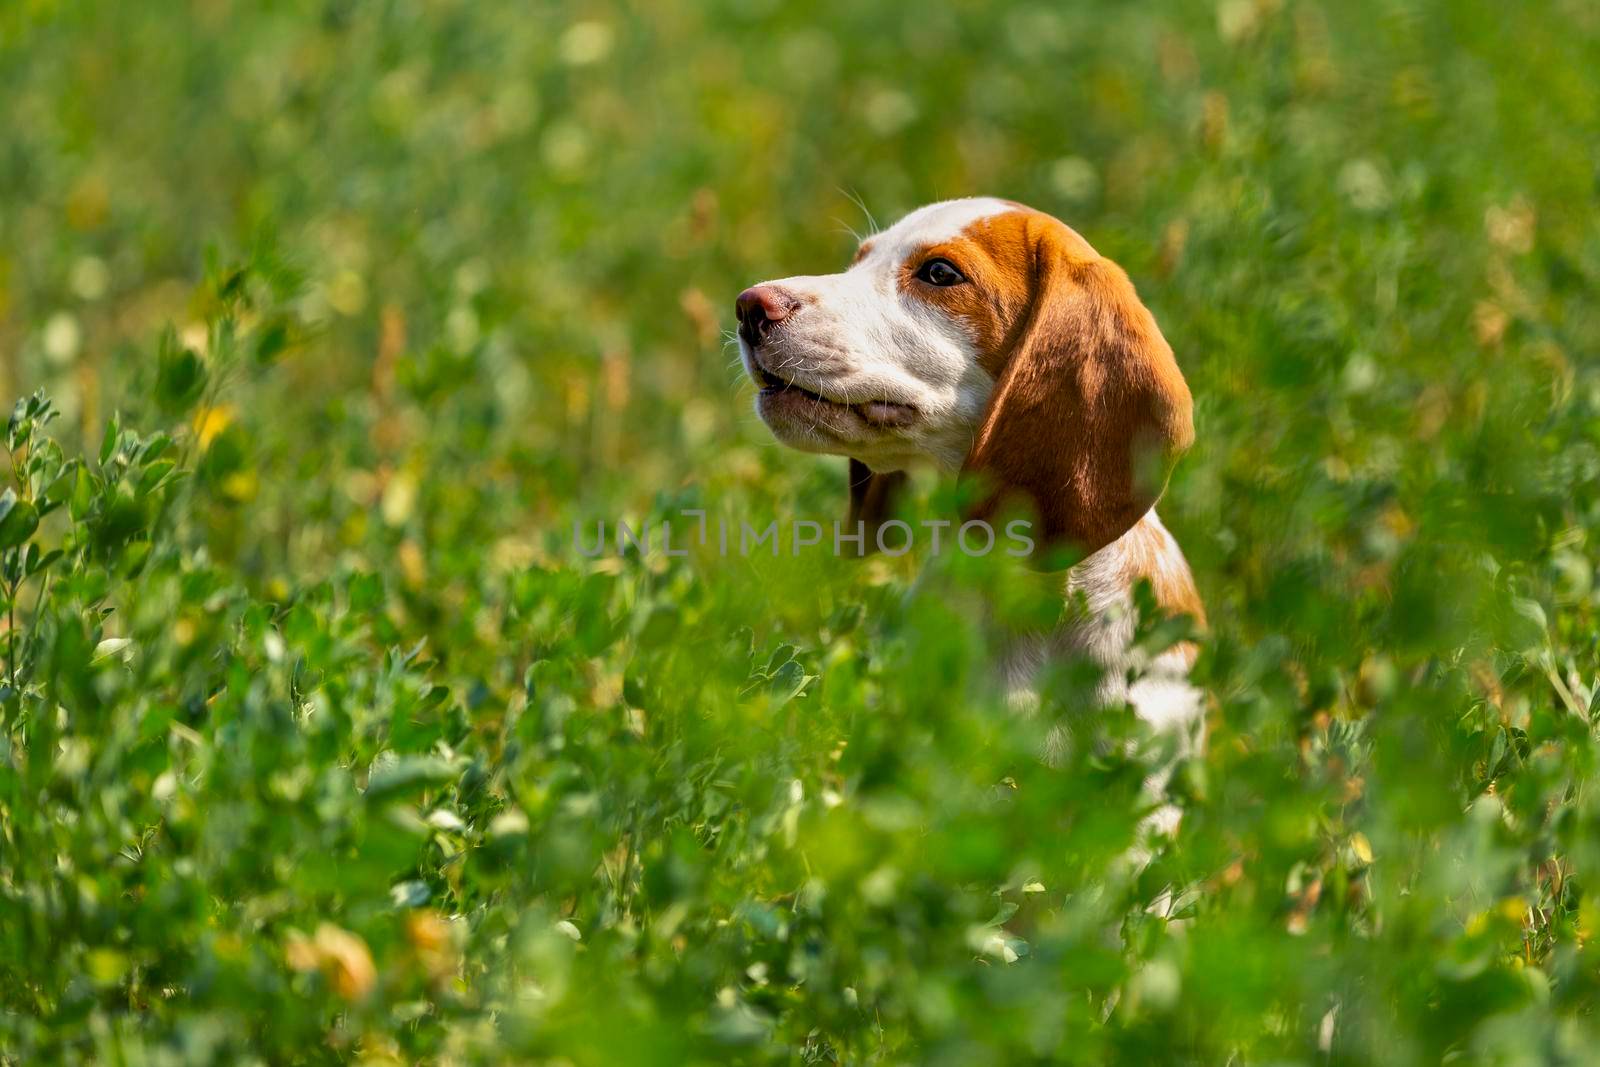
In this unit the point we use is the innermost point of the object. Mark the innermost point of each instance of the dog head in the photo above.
(985, 337)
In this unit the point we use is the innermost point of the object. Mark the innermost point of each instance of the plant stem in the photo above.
(11, 636)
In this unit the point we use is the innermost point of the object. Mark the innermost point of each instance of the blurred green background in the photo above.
(320, 744)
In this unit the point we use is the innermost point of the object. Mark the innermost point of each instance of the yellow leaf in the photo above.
(208, 422)
(1361, 847)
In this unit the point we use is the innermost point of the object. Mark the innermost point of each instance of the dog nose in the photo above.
(760, 308)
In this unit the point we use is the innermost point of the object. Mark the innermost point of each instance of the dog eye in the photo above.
(940, 272)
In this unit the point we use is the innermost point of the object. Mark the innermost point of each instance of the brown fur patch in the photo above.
(1089, 409)
(995, 257)
(1151, 555)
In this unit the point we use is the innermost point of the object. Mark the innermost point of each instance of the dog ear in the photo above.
(1089, 410)
(872, 500)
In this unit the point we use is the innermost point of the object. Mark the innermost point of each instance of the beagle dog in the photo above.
(993, 341)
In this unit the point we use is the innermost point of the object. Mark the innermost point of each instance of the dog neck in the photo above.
(1100, 625)
(1106, 578)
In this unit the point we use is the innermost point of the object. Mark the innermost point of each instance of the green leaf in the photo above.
(154, 473)
(407, 776)
(18, 519)
(787, 682)
(108, 442)
(780, 655)
(271, 341)
(180, 375)
(155, 448)
(82, 498)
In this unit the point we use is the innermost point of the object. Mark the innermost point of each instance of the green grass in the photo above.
(319, 743)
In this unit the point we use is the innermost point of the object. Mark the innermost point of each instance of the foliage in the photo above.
(319, 742)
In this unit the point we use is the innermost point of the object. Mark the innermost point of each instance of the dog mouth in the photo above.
(776, 390)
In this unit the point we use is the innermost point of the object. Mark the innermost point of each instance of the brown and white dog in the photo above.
(991, 340)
